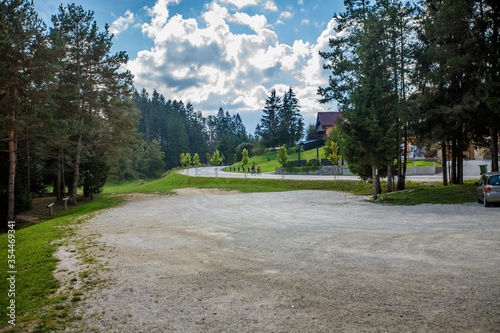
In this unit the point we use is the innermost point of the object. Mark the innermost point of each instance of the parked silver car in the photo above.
(488, 188)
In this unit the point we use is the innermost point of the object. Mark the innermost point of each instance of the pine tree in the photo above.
(24, 80)
(362, 85)
(450, 69)
(98, 97)
(268, 128)
(291, 123)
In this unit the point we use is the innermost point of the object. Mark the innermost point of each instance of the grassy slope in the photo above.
(35, 284)
(269, 163)
(433, 194)
(175, 180)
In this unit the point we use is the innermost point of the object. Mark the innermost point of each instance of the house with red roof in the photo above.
(325, 121)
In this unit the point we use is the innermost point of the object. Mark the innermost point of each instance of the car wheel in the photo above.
(479, 199)
(486, 203)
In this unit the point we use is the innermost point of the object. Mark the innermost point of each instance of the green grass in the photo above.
(415, 194)
(174, 180)
(418, 194)
(36, 303)
(420, 164)
(269, 163)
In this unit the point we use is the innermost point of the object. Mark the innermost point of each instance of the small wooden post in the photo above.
(65, 200)
(51, 210)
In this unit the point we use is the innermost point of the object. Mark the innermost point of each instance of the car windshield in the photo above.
(494, 180)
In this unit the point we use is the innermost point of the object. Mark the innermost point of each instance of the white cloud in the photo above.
(159, 14)
(241, 3)
(286, 15)
(122, 23)
(270, 6)
(256, 22)
(202, 61)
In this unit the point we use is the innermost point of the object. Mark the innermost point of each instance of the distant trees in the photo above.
(227, 132)
(175, 125)
(180, 129)
(281, 123)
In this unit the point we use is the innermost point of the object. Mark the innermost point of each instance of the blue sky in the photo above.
(220, 53)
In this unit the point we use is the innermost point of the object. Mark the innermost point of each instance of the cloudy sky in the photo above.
(221, 53)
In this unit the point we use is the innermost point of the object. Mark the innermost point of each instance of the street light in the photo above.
(301, 147)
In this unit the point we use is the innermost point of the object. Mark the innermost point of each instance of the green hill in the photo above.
(269, 163)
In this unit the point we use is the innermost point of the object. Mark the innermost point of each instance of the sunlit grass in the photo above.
(35, 299)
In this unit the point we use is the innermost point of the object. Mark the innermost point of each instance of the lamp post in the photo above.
(301, 146)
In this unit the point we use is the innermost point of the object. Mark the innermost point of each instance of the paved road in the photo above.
(471, 171)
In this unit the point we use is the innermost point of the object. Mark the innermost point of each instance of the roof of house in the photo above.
(327, 119)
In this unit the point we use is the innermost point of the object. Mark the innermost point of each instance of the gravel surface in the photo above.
(306, 261)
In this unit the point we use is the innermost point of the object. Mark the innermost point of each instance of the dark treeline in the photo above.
(178, 128)
(281, 122)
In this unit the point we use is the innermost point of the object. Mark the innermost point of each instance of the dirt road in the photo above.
(308, 261)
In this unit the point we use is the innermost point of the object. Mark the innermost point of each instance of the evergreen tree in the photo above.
(24, 81)
(362, 85)
(451, 75)
(291, 123)
(98, 92)
(268, 128)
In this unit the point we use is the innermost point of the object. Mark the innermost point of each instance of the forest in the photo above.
(426, 71)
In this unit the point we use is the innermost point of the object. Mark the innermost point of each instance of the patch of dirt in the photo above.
(305, 261)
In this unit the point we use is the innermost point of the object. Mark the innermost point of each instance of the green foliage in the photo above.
(332, 152)
(196, 160)
(153, 160)
(175, 125)
(216, 158)
(281, 123)
(185, 159)
(282, 156)
(249, 146)
(244, 158)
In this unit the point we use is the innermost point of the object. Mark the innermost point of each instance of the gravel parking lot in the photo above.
(306, 261)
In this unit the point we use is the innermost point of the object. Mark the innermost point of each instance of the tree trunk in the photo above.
(57, 186)
(402, 173)
(376, 183)
(454, 161)
(63, 174)
(12, 161)
(390, 179)
(399, 162)
(494, 149)
(12, 172)
(28, 166)
(444, 163)
(76, 166)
